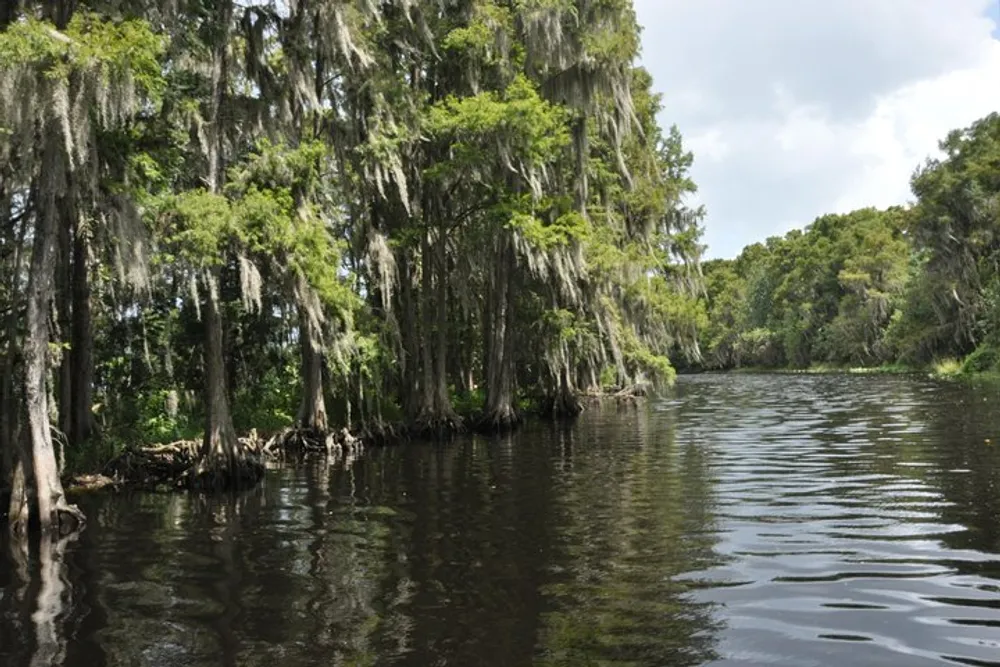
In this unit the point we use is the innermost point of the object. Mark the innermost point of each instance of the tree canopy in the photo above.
(219, 216)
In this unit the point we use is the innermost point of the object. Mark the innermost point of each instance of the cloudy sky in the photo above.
(795, 108)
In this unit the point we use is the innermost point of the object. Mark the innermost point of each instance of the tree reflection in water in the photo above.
(632, 520)
(554, 546)
(39, 600)
(55, 599)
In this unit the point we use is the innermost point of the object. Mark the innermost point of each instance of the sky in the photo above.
(798, 108)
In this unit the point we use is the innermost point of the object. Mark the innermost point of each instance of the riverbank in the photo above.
(165, 467)
(944, 368)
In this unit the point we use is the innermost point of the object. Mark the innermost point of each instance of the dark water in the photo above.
(743, 520)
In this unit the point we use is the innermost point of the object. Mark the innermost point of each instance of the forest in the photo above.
(915, 287)
(373, 220)
(396, 217)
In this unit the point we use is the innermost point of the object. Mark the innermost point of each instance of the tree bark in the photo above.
(409, 390)
(64, 384)
(436, 416)
(17, 508)
(426, 411)
(54, 513)
(220, 445)
(312, 410)
(11, 405)
(564, 403)
(82, 345)
(442, 399)
(500, 413)
(7, 408)
(8, 405)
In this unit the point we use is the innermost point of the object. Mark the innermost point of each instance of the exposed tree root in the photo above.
(302, 441)
(640, 390)
(383, 434)
(241, 470)
(499, 422)
(155, 465)
(564, 405)
(627, 402)
(67, 519)
(631, 396)
(180, 464)
(624, 398)
(437, 427)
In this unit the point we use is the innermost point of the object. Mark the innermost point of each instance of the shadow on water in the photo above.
(743, 520)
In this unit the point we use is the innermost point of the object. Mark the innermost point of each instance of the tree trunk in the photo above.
(6, 422)
(500, 413)
(64, 383)
(7, 404)
(312, 410)
(82, 350)
(220, 445)
(10, 454)
(11, 406)
(593, 382)
(224, 460)
(410, 389)
(564, 403)
(54, 513)
(442, 399)
(426, 411)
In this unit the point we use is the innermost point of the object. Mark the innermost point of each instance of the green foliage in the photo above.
(468, 404)
(544, 236)
(873, 287)
(395, 183)
(90, 43)
(199, 224)
(158, 423)
(526, 130)
(270, 403)
(984, 359)
(826, 295)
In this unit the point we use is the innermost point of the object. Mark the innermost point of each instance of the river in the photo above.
(774, 520)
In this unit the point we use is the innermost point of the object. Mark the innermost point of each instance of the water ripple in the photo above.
(845, 525)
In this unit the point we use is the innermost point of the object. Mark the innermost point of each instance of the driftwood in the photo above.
(79, 483)
(623, 397)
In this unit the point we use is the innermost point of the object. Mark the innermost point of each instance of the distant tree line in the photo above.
(907, 286)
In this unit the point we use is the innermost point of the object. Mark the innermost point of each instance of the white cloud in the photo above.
(795, 108)
(708, 145)
(908, 124)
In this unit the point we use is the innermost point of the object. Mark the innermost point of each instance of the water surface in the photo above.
(781, 520)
